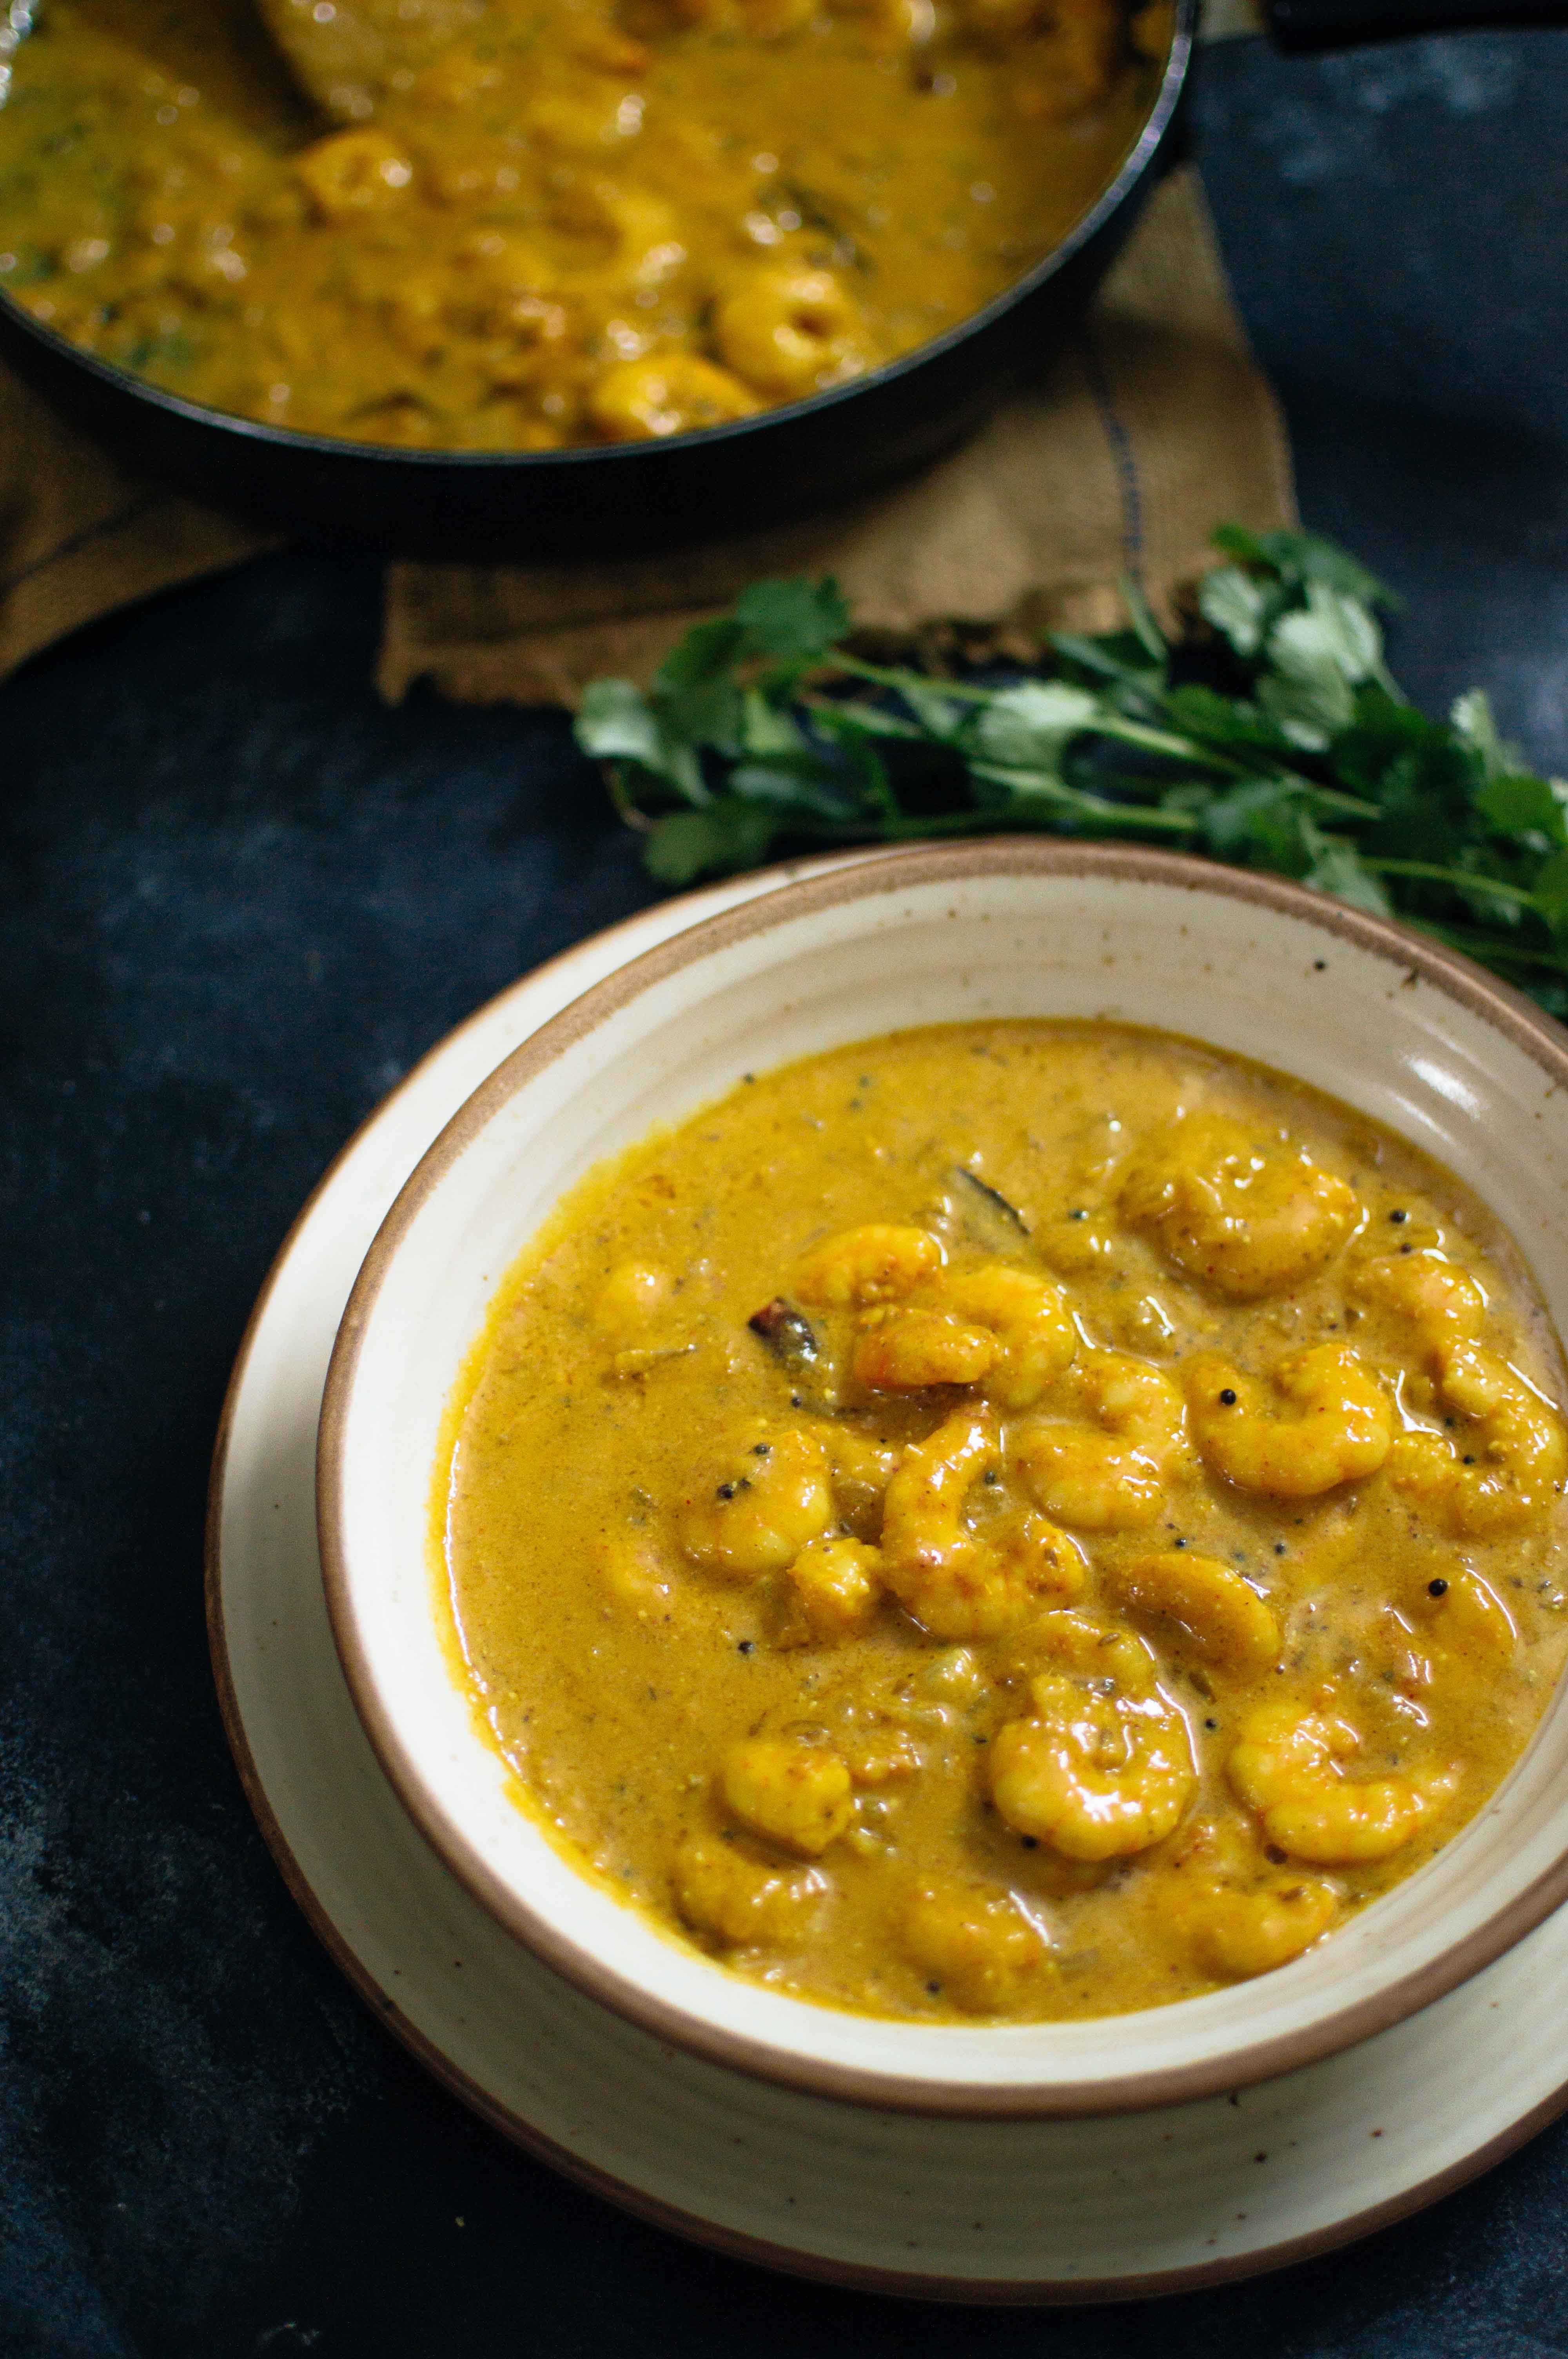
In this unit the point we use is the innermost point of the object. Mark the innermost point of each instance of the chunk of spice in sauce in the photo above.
(852, 1578)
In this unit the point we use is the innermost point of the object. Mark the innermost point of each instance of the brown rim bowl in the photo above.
(1405, 1032)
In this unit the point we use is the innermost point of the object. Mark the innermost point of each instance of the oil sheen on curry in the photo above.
(1017, 1519)
(579, 221)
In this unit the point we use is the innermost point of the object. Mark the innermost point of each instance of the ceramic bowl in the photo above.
(1416, 1037)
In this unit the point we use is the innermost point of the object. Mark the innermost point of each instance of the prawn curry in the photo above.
(1026, 1520)
(567, 220)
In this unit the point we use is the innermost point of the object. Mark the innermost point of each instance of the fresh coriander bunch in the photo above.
(1270, 734)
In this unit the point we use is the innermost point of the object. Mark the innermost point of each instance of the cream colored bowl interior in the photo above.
(993, 930)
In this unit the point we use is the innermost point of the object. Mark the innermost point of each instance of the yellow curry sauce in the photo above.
(1024, 1518)
(576, 224)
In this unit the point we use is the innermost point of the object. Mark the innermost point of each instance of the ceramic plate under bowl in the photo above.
(1418, 1039)
(1066, 2210)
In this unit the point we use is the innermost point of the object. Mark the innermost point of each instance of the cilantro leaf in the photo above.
(1338, 869)
(727, 836)
(616, 723)
(1274, 736)
(795, 621)
(1524, 806)
(1330, 637)
(1301, 557)
(1237, 604)
(1031, 724)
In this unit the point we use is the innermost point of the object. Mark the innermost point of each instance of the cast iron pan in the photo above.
(611, 500)
(616, 500)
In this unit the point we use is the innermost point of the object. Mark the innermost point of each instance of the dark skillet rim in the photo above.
(285, 439)
(1264, 2056)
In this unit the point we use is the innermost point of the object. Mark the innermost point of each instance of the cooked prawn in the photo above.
(1462, 1616)
(1109, 1472)
(799, 1796)
(739, 1902)
(911, 1349)
(1218, 1611)
(1028, 1316)
(980, 1945)
(1093, 1775)
(876, 1263)
(1287, 1764)
(1008, 1329)
(958, 1581)
(837, 1584)
(1504, 1467)
(1252, 1217)
(1441, 1303)
(1329, 1423)
(756, 1503)
(1241, 1933)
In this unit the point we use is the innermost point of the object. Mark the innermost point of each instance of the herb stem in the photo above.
(1273, 735)
(1464, 880)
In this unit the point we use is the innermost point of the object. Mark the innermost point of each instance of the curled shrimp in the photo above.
(1436, 1300)
(1029, 1317)
(835, 1585)
(1218, 1611)
(982, 1946)
(1463, 1616)
(876, 1263)
(629, 239)
(1511, 1453)
(1008, 1329)
(958, 1581)
(1456, 1624)
(752, 1506)
(740, 1904)
(787, 330)
(1504, 1466)
(1105, 1653)
(860, 1469)
(1327, 1423)
(1239, 1933)
(1287, 1764)
(1252, 1218)
(1106, 1468)
(1238, 1916)
(799, 1796)
(1102, 1765)
(911, 1349)
(660, 394)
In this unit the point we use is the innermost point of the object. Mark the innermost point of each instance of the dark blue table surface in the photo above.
(237, 898)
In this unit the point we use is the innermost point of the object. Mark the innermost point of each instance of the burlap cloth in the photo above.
(1153, 426)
